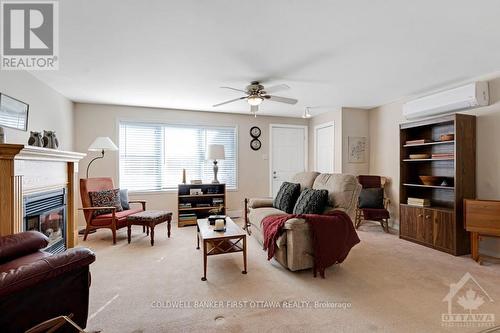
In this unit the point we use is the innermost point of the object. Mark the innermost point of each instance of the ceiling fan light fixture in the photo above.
(254, 100)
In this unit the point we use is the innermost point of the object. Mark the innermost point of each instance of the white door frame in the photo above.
(315, 136)
(306, 157)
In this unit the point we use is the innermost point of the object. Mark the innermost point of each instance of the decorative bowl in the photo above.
(447, 137)
(431, 180)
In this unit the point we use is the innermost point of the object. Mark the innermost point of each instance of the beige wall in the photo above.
(48, 110)
(347, 122)
(355, 124)
(384, 158)
(92, 120)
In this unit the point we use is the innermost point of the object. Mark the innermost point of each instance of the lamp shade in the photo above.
(215, 152)
(102, 143)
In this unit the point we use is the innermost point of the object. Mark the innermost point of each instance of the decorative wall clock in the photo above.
(255, 132)
(255, 144)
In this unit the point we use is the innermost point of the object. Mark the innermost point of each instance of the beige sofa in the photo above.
(295, 245)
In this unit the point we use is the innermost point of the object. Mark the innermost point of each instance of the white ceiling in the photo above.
(176, 54)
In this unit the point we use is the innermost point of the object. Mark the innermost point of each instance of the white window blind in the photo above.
(152, 156)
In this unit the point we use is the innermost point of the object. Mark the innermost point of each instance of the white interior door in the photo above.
(323, 148)
(288, 153)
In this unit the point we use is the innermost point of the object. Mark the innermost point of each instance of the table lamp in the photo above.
(102, 144)
(215, 152)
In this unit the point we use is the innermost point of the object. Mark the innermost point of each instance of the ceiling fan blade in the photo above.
(240, 90)
(254, 108)
(279, 87)
(281, 99)
(230, 101)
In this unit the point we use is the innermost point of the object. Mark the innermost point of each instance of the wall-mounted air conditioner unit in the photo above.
(466, 97)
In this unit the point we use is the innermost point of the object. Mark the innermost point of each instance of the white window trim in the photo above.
(173, 123)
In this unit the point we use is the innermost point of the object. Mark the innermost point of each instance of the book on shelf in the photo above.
(417, 142)
(187, 217)
(203, 205)
(443, 155)
(419, 202)
(185, 205)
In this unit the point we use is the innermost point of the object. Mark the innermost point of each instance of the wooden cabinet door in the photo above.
(409, 220)
(425, 226)
(443, 230)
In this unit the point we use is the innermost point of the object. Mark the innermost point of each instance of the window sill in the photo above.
(165, 191)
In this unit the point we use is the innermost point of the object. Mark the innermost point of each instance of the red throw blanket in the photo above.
(333, 237)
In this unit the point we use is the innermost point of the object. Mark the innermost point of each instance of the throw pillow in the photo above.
(311, 202)
(124, 198)
(286, 197)
(371, 198)
(106, 198)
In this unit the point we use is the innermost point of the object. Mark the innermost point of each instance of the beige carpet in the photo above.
(391, 285)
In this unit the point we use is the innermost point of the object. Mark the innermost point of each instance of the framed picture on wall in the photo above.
(357, 149)
(13, 113)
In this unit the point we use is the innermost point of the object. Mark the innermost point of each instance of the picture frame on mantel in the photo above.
(356, 149)
(13, 113)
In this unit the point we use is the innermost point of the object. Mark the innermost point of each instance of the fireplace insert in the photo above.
(46, 212)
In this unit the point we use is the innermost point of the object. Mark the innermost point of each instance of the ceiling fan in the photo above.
(256, 94)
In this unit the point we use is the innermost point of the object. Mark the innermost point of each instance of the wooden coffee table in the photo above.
(234, 239)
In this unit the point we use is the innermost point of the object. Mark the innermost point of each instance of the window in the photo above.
(152, 156)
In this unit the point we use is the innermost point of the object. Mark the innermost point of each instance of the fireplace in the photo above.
(46, 212)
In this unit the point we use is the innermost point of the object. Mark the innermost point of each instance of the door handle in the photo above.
(427, 216)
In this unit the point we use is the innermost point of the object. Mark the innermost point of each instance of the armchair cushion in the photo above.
(311, 202)
(21, 244)
(260, 202)
(105, 198)
(286, 197)
(105, 219)
(124, 199)
(371, 198)
(44, 269)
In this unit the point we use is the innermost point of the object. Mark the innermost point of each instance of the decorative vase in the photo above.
(50, 140)
(35, 139)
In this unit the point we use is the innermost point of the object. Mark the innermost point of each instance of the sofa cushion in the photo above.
(311, 202)
(342, 189)
(286, 197)
(371, 198)
(105, 198)
(106, 219)
(305, 179)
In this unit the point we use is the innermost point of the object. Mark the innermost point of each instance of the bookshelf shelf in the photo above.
(429, 144)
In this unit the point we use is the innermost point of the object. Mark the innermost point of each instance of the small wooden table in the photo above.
(234, 239)
(149, 219)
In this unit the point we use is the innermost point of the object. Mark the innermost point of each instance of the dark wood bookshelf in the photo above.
(198, 202)
(439, 226)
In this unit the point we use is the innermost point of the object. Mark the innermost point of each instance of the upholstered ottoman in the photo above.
(149, 219)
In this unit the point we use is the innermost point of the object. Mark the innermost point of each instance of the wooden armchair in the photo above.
(373, 214)
(114, 220)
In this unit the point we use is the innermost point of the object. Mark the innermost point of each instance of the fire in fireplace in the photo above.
(46, 212)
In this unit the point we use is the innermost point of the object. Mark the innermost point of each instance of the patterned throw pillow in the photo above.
(106, 198)
(311, 202)
(286, 197)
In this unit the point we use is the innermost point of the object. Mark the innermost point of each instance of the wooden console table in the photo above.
(482, 219)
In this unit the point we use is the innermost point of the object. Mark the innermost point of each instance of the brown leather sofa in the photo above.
(36, 285)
